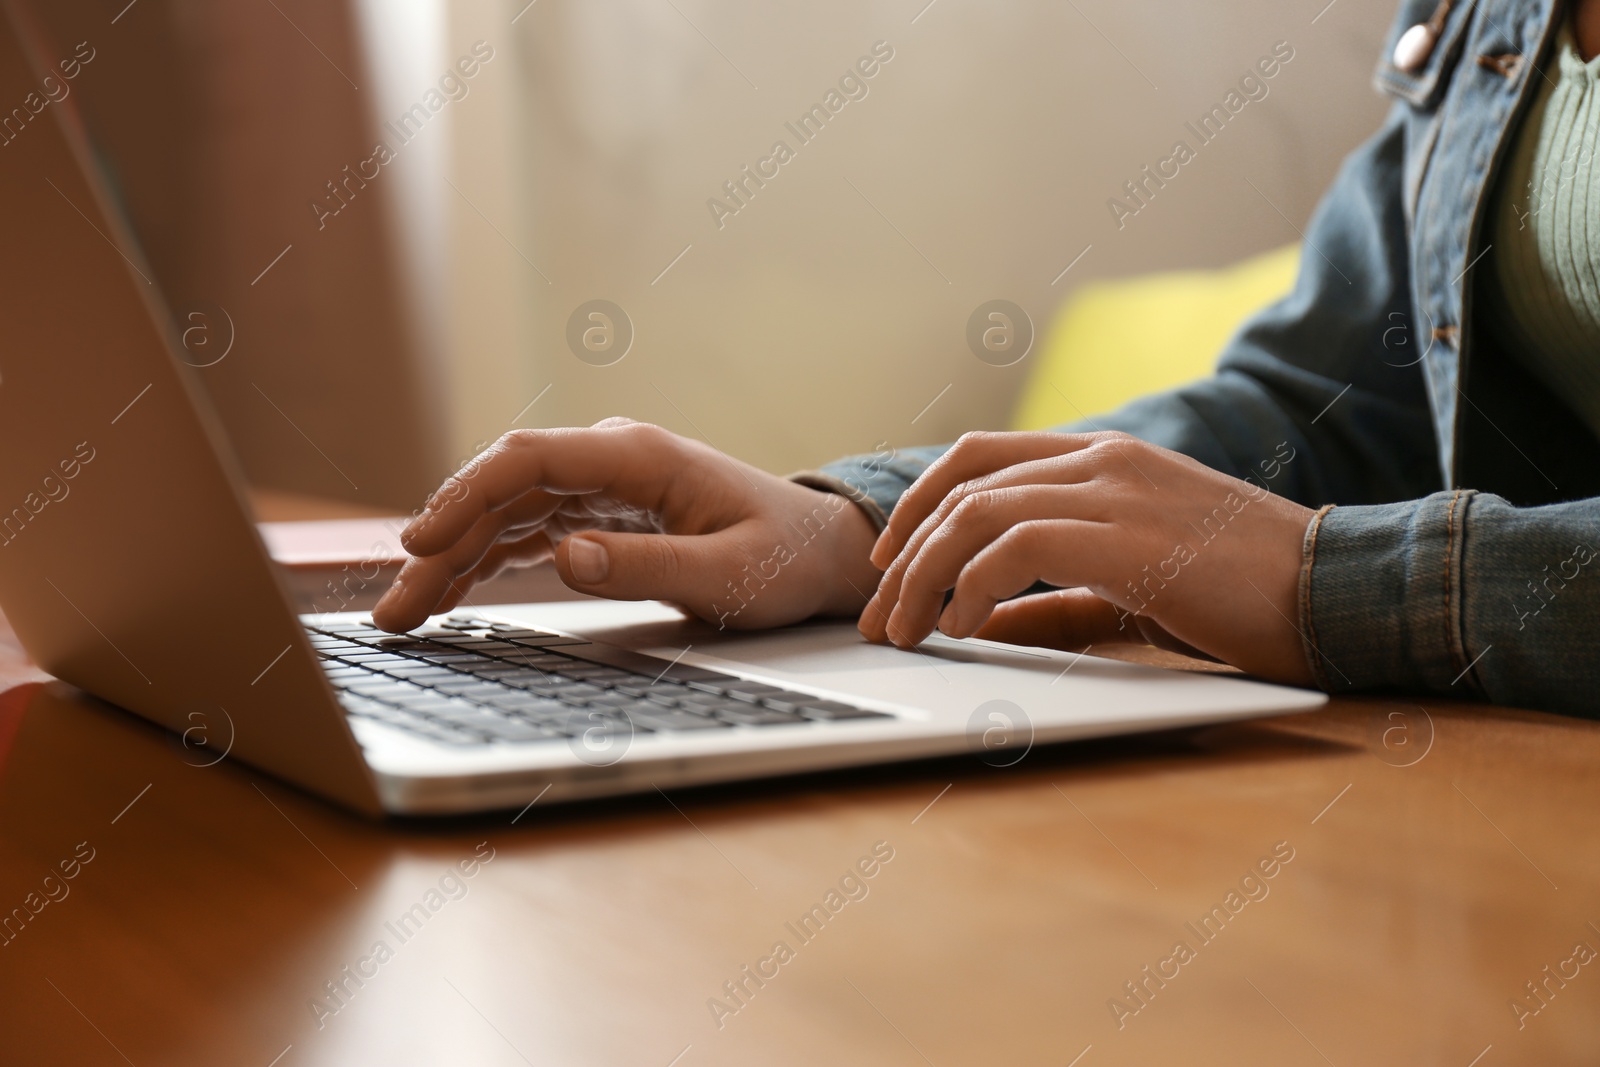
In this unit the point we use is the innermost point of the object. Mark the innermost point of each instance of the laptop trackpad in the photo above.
(940, 676)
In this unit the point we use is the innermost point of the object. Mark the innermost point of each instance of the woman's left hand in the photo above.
(1146, 545)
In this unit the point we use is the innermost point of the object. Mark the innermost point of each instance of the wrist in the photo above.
(854, 578)
(845, 577)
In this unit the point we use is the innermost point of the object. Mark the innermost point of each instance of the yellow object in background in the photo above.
(1115, 341)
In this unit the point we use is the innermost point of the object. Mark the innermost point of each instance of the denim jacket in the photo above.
(1463, 556)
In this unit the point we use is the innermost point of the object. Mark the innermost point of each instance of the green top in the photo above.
(1545, 300)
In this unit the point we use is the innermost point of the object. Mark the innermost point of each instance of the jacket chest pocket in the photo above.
(1420, 53)
(1422, 49)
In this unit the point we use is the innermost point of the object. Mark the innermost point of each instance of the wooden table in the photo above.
(1018, 902)
(1428, 861)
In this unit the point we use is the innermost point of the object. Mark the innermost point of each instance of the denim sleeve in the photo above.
(1331, 370)
(1460, 594)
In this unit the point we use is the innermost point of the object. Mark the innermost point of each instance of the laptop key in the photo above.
(518, 730)
(501, 667)
(467, 717)
(421, 727)
(602, 720)
(737, 688)
(478, 691)
(578, 667)
(440, 709)
(403, 717)
(612, 700)
(650, 668)
(831, 710)
(667, 690)
(516, 673)
(501, 675)
(459, 683)
(439, 655)
(751, 715)
(529, 658)
(527, 705)
(414, 695)
(576, 692)
(695, 699)
(412, 669)
(756, 697)
(675, 719)
(484, 646)
(538, 684)
(790, 702)
(385, 689)
(438, 677)
(359, 705)
(457, 737)
(538, 640)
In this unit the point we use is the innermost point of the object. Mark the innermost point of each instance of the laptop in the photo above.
(130, 567)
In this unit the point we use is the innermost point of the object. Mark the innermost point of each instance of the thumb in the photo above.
(687, 569)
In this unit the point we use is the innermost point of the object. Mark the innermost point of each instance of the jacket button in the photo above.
(1414, 47)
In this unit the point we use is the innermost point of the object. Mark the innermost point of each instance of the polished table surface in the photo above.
(1442, 857)
(1428, 862)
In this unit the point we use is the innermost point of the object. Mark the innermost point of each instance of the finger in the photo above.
(693, 570)
(1057, 469)
(969, 527)
(424, 582)
(536, 518)
(1159, 636)
(1075, 620)
(973, 456)
(1068, 619)
(634, 462)
(454, 597)
(1062, 552)
(526, 552)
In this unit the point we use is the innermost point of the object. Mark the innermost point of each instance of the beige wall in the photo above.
(820, 319)
(831, 309)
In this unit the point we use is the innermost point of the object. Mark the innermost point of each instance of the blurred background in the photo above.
(364, 324)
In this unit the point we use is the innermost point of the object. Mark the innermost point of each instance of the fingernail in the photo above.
(947, 620)
(390, 595)
(589, 561)
(879, 548)
(872, 614)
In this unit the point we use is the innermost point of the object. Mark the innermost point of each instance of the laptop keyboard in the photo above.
(474, 682)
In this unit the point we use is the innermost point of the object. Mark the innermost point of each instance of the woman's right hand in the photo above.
(630, 511)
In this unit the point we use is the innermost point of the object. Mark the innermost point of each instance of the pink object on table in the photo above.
(335, 542)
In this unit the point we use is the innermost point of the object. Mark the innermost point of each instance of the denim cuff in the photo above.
(828, 483)
(880, 477)
(1380, 595)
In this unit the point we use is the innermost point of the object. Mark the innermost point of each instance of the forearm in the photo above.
(1261, 424)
